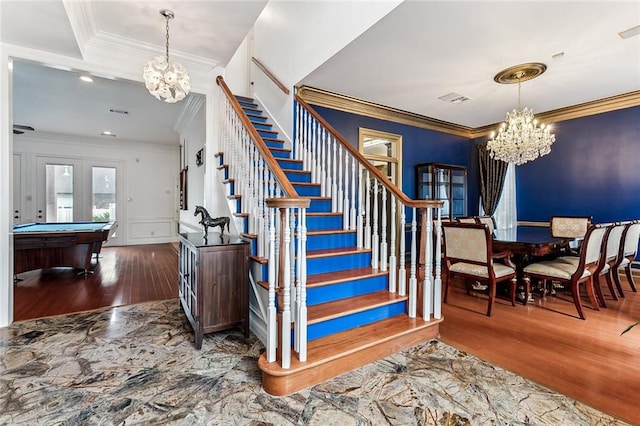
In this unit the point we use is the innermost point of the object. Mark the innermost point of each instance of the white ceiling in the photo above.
(420, 51)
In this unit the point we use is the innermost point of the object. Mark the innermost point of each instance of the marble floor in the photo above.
(138, 365)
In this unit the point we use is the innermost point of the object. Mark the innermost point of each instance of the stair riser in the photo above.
(323, 223)
(291, 165)
(308, 190)
(256, 119)
(267, 134)
(316, 331)
(341, 290)
(281, 154)
(343, 262)
(329, 241)
(298, 177)
(261, 126)
(274, 144)
(320, 206)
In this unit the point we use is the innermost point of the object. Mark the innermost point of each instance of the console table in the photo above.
(213, 280)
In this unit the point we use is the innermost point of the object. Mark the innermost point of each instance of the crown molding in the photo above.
(95, 141)
(352, 105)
(82, 20)
(349, 104)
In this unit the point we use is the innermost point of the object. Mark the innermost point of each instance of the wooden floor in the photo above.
(123, 276)
(587, 360)
(546, 342)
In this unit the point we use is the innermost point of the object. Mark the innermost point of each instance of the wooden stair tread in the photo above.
(320, 351)
(326, 278)
(339, 214)
(351, 305)
(335, 252)
(332, 231)
(305, 184)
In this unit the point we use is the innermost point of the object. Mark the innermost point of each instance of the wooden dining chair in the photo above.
(608, 259)
(486, 220)
(567, 270)
(466, 219)
(574, 227)
(468, 254)
(628, 252)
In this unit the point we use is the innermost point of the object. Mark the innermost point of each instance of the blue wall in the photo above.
(593, 169)
(418, 146)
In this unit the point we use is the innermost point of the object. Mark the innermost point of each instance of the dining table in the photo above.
(527, 243)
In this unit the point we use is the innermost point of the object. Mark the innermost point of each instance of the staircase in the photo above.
(352, 316)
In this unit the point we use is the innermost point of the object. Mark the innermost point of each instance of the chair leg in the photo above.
(575, 291)
(616, 279)
(492, 297)
(527, 289)
(588, 284)
(598, 290)
(627, 271)
(512, 290)
(610, 285)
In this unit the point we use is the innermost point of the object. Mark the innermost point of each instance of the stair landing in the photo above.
(337, 354)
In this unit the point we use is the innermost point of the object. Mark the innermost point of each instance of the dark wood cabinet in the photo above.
(213, 276)
(444, 182)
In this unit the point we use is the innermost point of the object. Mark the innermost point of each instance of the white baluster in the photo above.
(413, 281)
(354, 194)
(437, 282)
(286, 283)
(402, 273)
(272, 333)
(375, 240)
(393, 272)
(427, 290)
(367, 211)
(345, 202)
(323, 164)
(360, 224)
(340, 181)
(301, 325)
(383, 234)
(334, 176)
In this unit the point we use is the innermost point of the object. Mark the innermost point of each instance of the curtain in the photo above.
(492, 176)
(506, 214)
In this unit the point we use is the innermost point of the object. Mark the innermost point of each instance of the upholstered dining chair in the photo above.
(567, 270)
(569, 227)
(487, 220)
(466, 219)
(468, 254)
(608, 259)
(628, 252)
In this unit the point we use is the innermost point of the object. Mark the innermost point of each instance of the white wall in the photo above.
(293, 38)
(146, 184)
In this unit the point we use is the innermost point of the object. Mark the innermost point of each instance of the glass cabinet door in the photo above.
(446, 183)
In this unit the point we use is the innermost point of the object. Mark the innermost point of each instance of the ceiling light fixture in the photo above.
(519, 139)
(108, 133)
(164, 80)
(86, 78)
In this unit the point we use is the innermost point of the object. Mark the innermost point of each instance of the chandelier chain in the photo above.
(167, 43)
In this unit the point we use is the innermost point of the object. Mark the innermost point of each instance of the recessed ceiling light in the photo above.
(558, 55)
(86, 78)
(631, 32)
(108, 133)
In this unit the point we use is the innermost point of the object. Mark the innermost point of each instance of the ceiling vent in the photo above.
(118, 111)
(454, 98)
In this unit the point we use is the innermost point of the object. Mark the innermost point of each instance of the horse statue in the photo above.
(206, 220)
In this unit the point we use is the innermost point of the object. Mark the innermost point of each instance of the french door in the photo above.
(74, 190)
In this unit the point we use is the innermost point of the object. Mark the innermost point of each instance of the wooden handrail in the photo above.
(365, 163)
(273, 165)
(270, 75)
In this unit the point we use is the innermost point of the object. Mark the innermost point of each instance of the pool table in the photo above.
(48, 245)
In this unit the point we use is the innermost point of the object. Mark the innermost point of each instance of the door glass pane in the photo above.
(103, 194)
(59, 193)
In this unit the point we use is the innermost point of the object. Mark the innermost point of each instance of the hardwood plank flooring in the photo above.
(123, 276)
(546, 342)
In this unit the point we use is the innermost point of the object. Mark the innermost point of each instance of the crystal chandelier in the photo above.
(163, 79)
(520, 139)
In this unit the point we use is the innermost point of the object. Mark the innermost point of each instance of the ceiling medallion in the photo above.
(520, 73)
